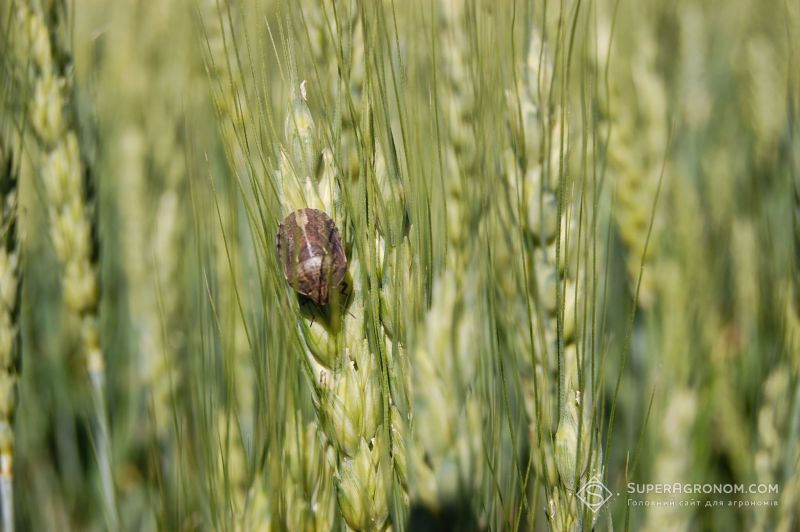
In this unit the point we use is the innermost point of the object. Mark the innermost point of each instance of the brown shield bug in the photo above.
(311, 252)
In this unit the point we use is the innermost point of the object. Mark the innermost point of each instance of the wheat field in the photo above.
(407, 265)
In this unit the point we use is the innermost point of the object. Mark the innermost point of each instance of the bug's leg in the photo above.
(343, 298)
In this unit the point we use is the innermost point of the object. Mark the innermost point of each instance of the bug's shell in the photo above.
(310, 250)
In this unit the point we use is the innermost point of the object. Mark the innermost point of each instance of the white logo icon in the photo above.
(594, 494)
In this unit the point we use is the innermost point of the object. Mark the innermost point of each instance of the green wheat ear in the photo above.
(343, 370)
(69, 201)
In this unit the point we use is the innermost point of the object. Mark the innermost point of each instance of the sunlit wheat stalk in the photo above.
(355, 148)
(306, 486)
(558, 377)
(344, 371)
(446, 448)
(69, 198)
(389, 244)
